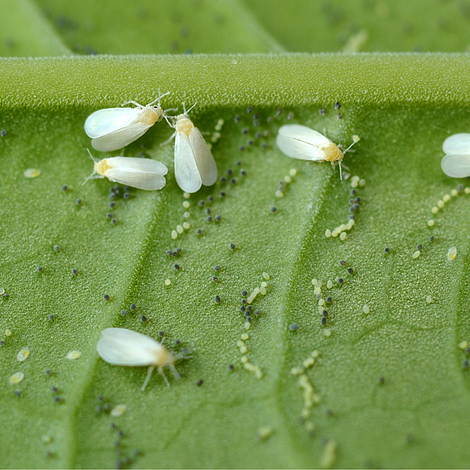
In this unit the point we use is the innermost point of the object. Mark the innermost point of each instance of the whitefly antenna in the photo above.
(95, 160)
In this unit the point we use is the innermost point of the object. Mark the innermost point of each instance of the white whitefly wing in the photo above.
(457, 144)
(304, 134)
(142, 173)
(186, 170)
(119, 138)
(122, 347)
(204, 160)
(109, 120)
(456, 166)
(301, 142)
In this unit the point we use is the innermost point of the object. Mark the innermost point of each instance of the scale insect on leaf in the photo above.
(122, 347)
(142, 173)
(297, 141)
(456, 162)
(114, 128)
(194, 163)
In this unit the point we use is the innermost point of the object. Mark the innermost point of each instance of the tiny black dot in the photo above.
(132, 307)
(242, 308)
(56, 247)
(231, 246)
(241, 148)
(39, 269)
(233, 181)
(387, 249)
(351, 216)
(208, 211)
(177, 342)
(201, 202)
(109, 215)
(64, 188)
(323, 321)
(273, 209)
(74, 271)
(106, 297)
(322, 111)
(325, 313)
(123, 313)
(216, 268)
(78, 201)
(198, 231)
(236, 119)
(340, 116)
(223, 179)
(231, 366)
(343, 263)
(293, 327)
(245, 130)
(51, 317)
(419, 247)
(431, 238)
(244, 293)
(243, 172)
(229, 172)
(208, 219)
(217, 299)
(250, 142)
(353, 192)
(215, 278)
(112, 204)
(350, 271)
(217, 218)
(127, 195)
(199, 382)
(278, 111)
(222, 194)
(3, 132)
(257, 312)
(340, 280)
(161, 333)
(114, 221)
(337, 105)
(176, 267)
(329, 300)
(143, 319)
(210, 198)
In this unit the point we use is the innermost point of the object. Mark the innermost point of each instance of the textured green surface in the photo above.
(394, 392)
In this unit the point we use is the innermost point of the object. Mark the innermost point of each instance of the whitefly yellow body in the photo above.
(114, 128)
(122, 347)
(194, 163)
(456, 162)
(297, 141)
(142, 173)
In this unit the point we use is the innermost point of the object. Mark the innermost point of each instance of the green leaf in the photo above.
(389, 388)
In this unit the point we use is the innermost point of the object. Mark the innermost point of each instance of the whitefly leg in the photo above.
(149, 374)
(162, 373)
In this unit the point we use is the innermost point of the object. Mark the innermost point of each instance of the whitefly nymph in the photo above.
(297, 141)
(194, 163)
(114, 128)
(142, 173)
(456, 162)
(122, 347)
